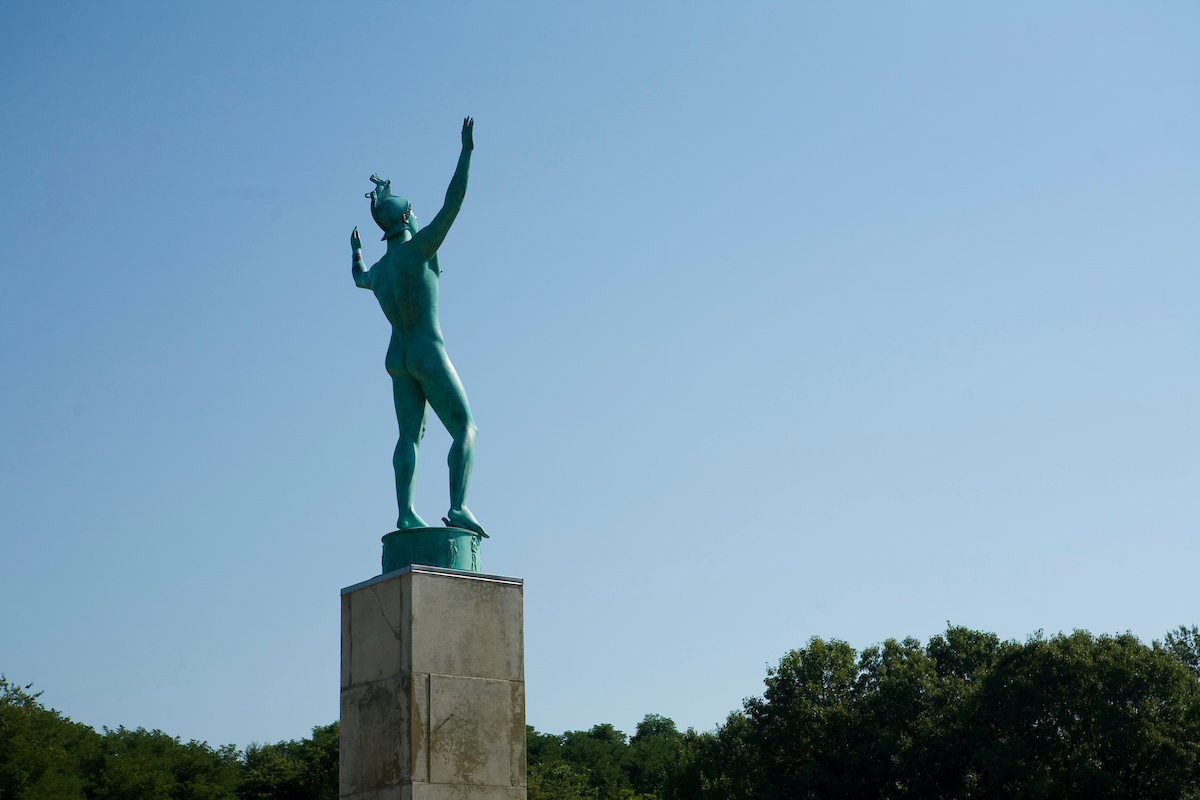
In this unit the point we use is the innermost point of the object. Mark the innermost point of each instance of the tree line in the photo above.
(965, 715)
(46, 756)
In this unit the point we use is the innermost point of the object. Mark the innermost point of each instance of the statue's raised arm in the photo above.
(430, 238)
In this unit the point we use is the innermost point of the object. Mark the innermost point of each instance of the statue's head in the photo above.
(391, 213)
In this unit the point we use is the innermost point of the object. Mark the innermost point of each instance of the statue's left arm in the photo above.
(430, 238)
(362, 276)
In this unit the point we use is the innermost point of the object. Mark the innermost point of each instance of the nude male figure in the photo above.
(405, 281)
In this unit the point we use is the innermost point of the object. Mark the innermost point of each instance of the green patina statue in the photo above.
(405, 281)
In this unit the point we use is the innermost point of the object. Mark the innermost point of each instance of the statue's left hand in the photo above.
(468, 134)
(355, 242)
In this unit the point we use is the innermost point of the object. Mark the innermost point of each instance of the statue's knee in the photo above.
(467, 433)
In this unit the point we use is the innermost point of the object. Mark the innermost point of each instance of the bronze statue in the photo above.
(405, 281)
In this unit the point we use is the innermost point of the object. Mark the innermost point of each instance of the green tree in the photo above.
(654, 755)
(39, 748)
(966, 716)
(293, 770)
(558, 780)
(151, 765)
(805, 726)
(1084, 716)
(541, 748)
(1184, 644)
(716, 766)
(602, 753)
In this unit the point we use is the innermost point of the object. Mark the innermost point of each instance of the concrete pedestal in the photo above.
(433, 687)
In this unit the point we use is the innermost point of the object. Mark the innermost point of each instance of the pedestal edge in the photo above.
(422, 569)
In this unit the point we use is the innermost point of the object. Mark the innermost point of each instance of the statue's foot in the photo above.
(463, 518)
(409, 519)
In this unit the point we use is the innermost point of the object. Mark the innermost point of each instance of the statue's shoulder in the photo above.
(406, 256)
(391, 259)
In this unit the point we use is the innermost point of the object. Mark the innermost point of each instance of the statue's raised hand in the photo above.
(355, 242)
(468, 134)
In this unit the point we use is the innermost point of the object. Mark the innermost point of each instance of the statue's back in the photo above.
(407, 290)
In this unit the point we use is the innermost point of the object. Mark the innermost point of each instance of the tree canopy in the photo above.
(46, 756)
(965, 715)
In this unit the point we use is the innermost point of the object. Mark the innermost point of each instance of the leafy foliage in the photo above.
(557, 780)
(295, 770)
(964, 716)
(40, 750)
(148, 765)
(604, 764)
(45, 756)
(1184, 644)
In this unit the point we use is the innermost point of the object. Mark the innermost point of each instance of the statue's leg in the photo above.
(410, 416)
(442, 387)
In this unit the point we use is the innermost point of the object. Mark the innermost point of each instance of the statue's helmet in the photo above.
(390, 212)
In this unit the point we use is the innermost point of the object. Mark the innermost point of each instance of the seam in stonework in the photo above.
(472, 677)
(378, 602)
(428, 730)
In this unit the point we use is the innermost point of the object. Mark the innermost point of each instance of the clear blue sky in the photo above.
(778, 321)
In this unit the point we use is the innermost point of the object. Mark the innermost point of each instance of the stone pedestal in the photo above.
(433, 687)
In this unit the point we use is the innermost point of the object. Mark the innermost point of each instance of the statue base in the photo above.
(433, 687)
(452, 548)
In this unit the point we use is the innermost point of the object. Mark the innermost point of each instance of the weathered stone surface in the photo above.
(375, 625)
(433, 692)
(471, 628)
(442, 791)
(445, 791)
(370, 761)
(471, 740)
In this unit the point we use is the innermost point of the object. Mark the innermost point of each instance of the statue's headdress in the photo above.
(387, 210)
